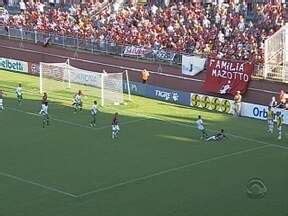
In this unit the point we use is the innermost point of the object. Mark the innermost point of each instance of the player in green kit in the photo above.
(19, 94)
(279, 122)
(270, 119)
(94, 111)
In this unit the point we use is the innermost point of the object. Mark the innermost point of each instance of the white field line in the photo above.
(172, 121)
(122, 67)
(76, 124)
(280, 146)
(37, 184)
(171, 170)
(145, 117)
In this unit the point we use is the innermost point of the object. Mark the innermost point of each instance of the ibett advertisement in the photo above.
(13, 65)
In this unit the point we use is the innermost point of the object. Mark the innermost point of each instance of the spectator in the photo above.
(52, 3)
(220, 30)
(22, 6)
(283, 99)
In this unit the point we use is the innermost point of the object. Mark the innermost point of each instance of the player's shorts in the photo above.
(237, 107)
(270, 121)
(20, 96)
(45, 116)
(1, 102)
(115, 128)
(201, 128)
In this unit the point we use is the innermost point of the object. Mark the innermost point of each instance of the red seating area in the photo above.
(222, 31)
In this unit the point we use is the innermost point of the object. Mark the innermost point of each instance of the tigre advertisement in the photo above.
(212, 103)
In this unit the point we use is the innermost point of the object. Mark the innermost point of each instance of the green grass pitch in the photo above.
(158, 166)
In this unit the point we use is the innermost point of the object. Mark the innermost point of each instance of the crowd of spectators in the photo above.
(224, 31)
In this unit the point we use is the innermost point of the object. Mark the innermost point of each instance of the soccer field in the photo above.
(158, 166)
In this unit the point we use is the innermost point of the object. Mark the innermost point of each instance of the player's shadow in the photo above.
(64, 113)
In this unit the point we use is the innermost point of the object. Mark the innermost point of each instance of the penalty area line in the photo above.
(172, 121)
(172, 170)
(49, 188)
(76, 124)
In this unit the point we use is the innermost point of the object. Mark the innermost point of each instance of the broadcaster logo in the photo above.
(256, 188)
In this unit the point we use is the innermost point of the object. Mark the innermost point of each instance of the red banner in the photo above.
(227, 77)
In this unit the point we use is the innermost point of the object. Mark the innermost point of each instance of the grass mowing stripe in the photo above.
(172, 170)
(172, 121)
(147, 117)
(76, 124)
(37, 184)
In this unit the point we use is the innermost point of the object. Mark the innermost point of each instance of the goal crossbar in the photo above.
(60, 76)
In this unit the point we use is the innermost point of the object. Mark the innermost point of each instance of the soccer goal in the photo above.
(276, 56)
(57, 78)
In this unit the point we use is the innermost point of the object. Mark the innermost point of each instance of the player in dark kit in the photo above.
(44, 98)
(115, 126)
(217, 137)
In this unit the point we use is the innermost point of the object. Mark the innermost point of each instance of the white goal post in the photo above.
(276, 56)
(60, 77)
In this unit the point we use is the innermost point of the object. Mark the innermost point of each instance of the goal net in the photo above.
(61, 78)
(276, 56)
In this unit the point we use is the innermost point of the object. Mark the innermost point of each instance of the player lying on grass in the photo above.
(94, 111)
(115, 126)
(217, 137)
(2, 94)
(19, 94)
(77, 101)
(201, 128)
(44, 113)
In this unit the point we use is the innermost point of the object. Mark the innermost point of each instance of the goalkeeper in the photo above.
(19, 94)
(94, 111)
(217, 137)
(77, 101)
(44, 113)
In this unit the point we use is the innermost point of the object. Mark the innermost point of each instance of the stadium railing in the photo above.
(89, 45)
(108, 47)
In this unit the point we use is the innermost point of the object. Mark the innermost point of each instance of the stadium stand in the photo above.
(223, 31)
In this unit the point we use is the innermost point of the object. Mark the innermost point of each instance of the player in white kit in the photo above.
(44, 113)
(200, 127)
